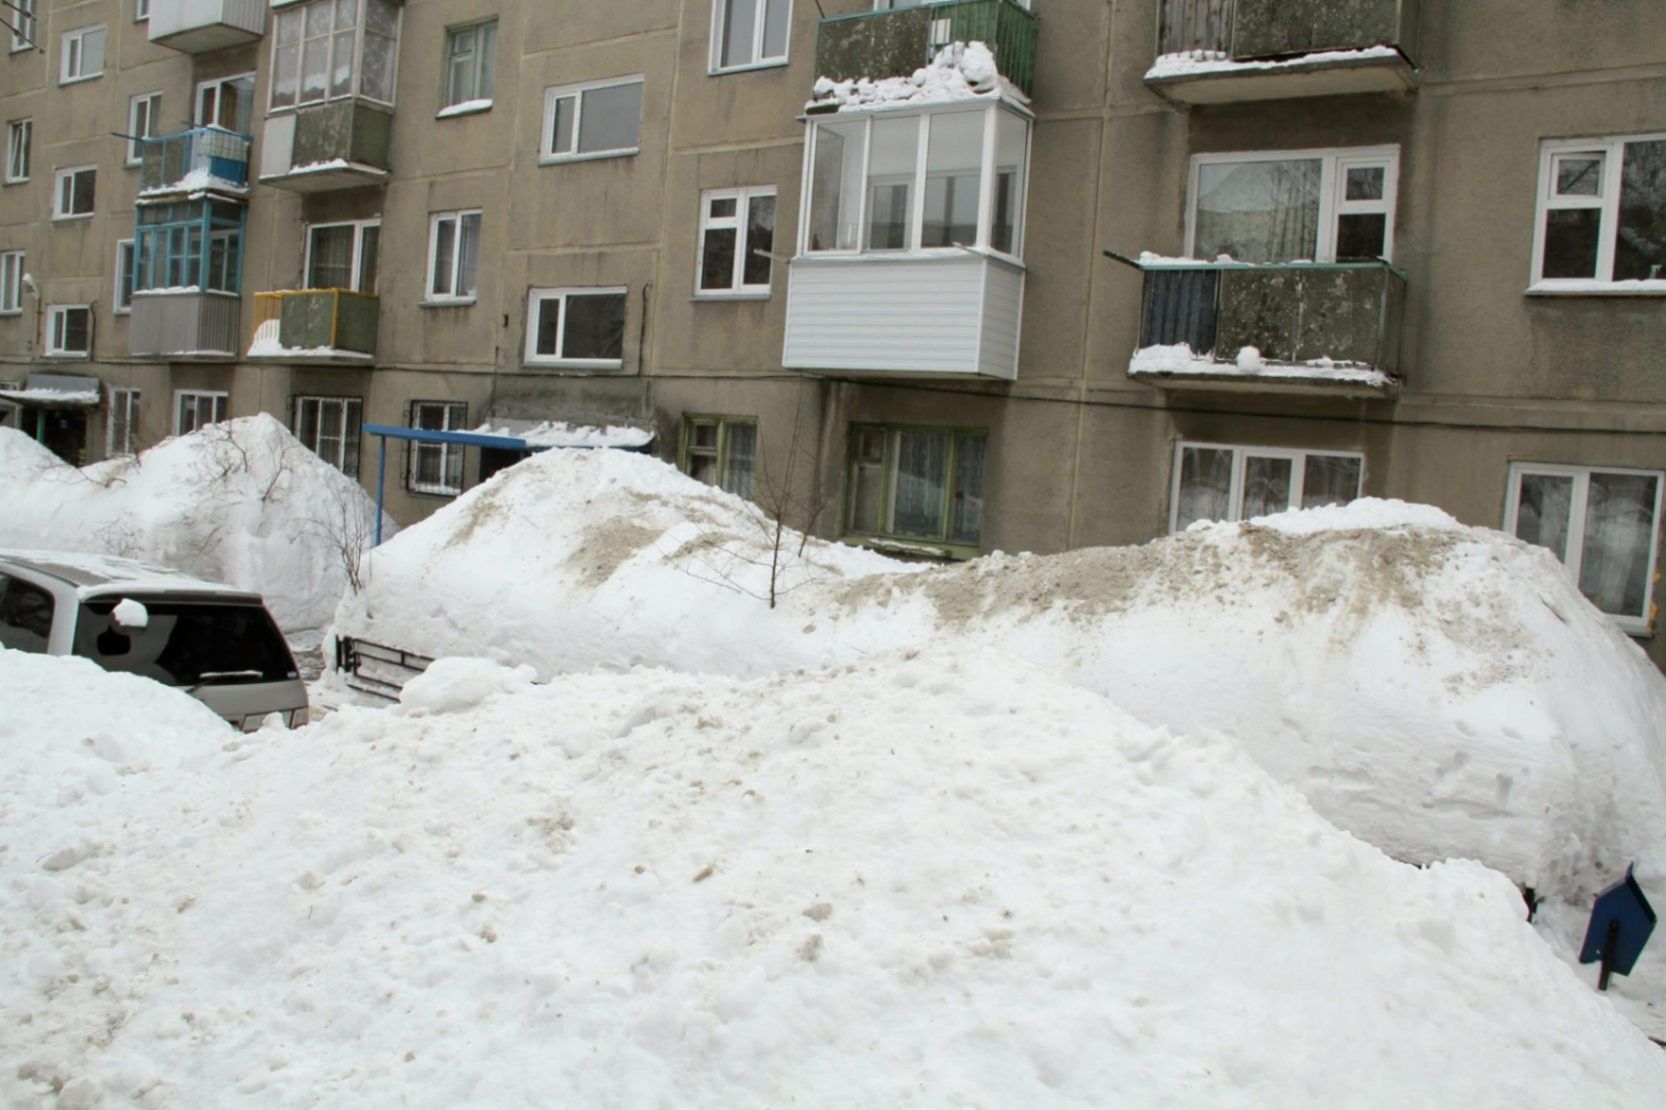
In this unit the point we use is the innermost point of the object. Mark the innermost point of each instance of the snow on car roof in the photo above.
(92, 574)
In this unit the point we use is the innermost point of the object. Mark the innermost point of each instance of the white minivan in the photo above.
(217, 643)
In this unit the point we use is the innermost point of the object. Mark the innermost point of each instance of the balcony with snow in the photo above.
(202, 160)
(900, 38)
(1325, 329)
(316, 326)
(1224, 51)
(198, 26)
(330, 125)
(910, 255)
(187, 267)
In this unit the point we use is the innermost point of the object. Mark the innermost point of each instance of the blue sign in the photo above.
(1621, 921)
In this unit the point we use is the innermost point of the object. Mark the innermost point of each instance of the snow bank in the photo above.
(242, 502)
(1437, 690)
(920, 879)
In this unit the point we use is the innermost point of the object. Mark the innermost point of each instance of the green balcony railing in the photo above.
(895, 43)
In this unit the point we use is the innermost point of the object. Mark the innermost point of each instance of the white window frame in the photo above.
(534, 299)
(64, 177)
(20, 136)
(127, 399)
(141, 11)
(547, 155)
(217, 400)
(55, 315)
(74, 43)
(451, 454)
(434, 221)
(218, 84)
(122, 300)
(358, 227)
(24, 24)
(1298, 457)
(743, 196)
(1635, 623)
(759, 61)
(148, 105)
(1612, 151)
(1333, 183)
(11, 282)
(482, 102)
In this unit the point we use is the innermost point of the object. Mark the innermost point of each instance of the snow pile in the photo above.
(463, 108)
(1214, 63)
(1435, 689)
(242, 502)
(1179, 360)
(561, 433)
(198, 181)
(959, 71)
(926, 879)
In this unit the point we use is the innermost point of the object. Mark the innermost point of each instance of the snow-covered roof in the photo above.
(52, 398)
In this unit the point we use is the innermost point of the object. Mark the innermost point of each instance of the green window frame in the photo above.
(720, 451)
(916, 488)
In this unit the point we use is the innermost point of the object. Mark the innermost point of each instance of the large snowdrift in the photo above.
(1436, 689)
(242, 502)
(933, 879)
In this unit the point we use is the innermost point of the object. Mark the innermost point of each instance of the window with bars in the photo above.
(195, 409)
(721, 451)
(329, 426)
(436, 468)
(919, 489)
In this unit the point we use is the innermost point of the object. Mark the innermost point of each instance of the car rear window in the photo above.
(187, 643)
(25, 615)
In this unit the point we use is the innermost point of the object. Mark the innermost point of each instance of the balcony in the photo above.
(195, 325)
(341, 144)
(316, 326)
(198, 26)
(206, 158)
(1222, 51)
(882, 44)
(1329, 329)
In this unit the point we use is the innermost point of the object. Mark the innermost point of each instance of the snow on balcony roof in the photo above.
(960, 71)
(1206, 63)
(52, 398)
(197, 181)
(1179, 360)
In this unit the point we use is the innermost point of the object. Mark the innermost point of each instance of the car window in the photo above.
(25, 615)
(185, 643)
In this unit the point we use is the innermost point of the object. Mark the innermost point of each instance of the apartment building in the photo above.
(1126, 265)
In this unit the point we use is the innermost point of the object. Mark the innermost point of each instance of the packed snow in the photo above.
(1179, 360)
(463, 108)
(934, 878)
(244, 503)
(1435, 689)
(959, 71)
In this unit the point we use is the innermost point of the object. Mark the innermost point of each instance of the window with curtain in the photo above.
(922, 487)
(1332, 206)
(1225, 482)
(721, 451)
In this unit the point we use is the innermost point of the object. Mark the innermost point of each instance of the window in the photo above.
(453, 256)
(436, 467)
(227, 102)
(69, 329)
(330, 49)
(195, 409)
(748, 33)
(582, 328)
(737, 233)
(1213, 482)
(1602, 215)
(82, 57)
(72, 192)
(721, 451)
(123, 301)
(122, 430)
(871, 191)
(470, 61)
(21, 17)
(922, 486)
(18, 135)
(142, 114)
(599, 120)
(25, 615)
(1602, 523)
(141, 10)
(1284, 206)
(344, 256)
(329, 426)
(11, 282)
(190, 245)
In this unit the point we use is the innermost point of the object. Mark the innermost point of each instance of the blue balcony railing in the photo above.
(202, 158)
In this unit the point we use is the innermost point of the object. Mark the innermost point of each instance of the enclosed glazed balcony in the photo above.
(198, 26)
(1331, 329)
(896, 42)
(316, 326)
(204, 158)
(1219, 51)
(187, 266)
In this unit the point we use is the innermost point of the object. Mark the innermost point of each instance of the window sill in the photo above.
(575, 364)
(11, 312)
(78, 80)
(464, 108)
(924, 254)
(446, 494)
(121, 312)
(72, 217)
(15, 181)
(750, 67)
(1591, 288)
(68, 356)
(716, 295)
(594, 156)
(447, 302)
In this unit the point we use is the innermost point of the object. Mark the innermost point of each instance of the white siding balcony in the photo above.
(198, 26)
(910, 243)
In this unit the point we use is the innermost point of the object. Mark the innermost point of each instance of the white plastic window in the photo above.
(750, 33)
(1602, 204)
(121, 433)
(194, 409)
(453, 256)
(19, 133)
(11, 282)
(602, 119)
(1224, 482)
(437, 467)
(583, 328)
(1289, 206)
(737, 235)
(123, 300)
(470, 63)
(69, 330)
(143, 111)
(74, 192)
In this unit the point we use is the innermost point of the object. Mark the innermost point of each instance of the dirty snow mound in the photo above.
(242, 502)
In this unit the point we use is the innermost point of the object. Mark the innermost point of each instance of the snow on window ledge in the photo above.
(1207, 63)
(1592, 287)
(464, 108)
